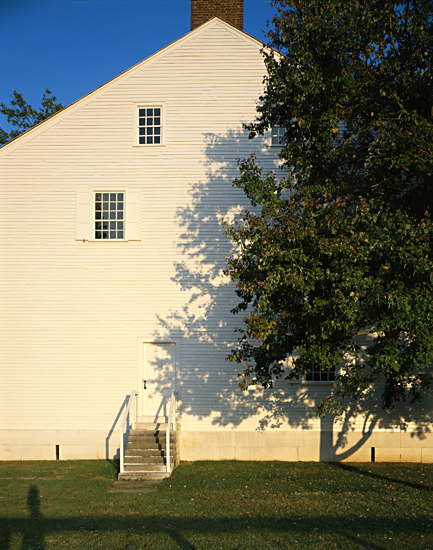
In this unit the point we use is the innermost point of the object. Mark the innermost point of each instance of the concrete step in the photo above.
(145, 467)
(145, 456)
(139, 476)
(144, 460)
(151, 433)
(134, 490)
(151, 426)
(150, 439)
(146, 452)
(149, 446)
(144, 483)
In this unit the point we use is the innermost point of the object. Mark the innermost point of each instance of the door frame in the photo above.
(140, 367)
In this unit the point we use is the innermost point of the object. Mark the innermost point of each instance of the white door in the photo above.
(159, 374)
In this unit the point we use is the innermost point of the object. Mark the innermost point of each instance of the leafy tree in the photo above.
(22, 115)
(342, 244)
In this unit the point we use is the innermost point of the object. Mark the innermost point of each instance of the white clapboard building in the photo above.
(112, 254)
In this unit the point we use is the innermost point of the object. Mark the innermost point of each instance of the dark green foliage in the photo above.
(23, 116)
(342, 243)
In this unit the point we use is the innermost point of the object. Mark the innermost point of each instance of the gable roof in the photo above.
(56, 117)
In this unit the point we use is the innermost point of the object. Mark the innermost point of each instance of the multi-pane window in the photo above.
(277, 134)
(109, 215)
(318, 374)
(149, 125)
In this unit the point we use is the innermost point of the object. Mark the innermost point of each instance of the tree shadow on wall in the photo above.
(210, 384)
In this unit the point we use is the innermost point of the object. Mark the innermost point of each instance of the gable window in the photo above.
(277, 134)
(109, 216)
(149, 125)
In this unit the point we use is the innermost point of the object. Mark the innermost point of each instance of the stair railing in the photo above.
(167, 436)
(122, 427)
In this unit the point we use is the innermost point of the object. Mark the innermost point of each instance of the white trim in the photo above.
(303, 381)
(85, 212)
(148, 105)
(94, 220)
(141, 340)
(278, 135)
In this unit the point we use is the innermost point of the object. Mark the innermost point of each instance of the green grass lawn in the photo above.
(218, 505)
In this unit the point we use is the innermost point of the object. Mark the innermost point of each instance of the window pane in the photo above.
(120, 234)
(98, 197)
(119, 225)
(112, 215)
(112, 225)
(97, 234)
(142, 122)
(149, 131)
(112, 234)
(120, 197)
(157, 122)
(105, 235)
(105, 206)
(98, 206)
(149, 139)
(105, 196)
(149, 112)
(157, 112)
(120, 205)
(120, 215)
(113, 197)
(105, 215)
(157, 131)
(112, 206)
(141, 112)
(104, 225)
(98, 225)
(157, 139)
(142, 140)
(97, 215)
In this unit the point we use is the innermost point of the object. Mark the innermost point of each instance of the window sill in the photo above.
(105, 240)
(148, 146)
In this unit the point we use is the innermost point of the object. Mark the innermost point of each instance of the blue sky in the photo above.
(74, 46)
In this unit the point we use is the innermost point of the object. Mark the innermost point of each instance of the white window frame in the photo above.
(279, 131)
(148, 105)
(303, 380)
(85, 214)
(108, 220)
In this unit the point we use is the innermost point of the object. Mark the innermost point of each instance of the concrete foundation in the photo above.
(299, 445)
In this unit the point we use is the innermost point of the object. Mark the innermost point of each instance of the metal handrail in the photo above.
(167, 435)
(122, 427)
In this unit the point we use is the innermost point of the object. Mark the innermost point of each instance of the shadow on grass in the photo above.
(35, 529)
(115, 463)
(355, 470)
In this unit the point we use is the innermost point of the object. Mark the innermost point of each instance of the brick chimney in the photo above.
(231, 11)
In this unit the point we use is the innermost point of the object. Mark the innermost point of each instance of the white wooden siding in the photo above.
(73, 311)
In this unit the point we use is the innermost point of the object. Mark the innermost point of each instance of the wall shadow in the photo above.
(204, 321)
(114, 430)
